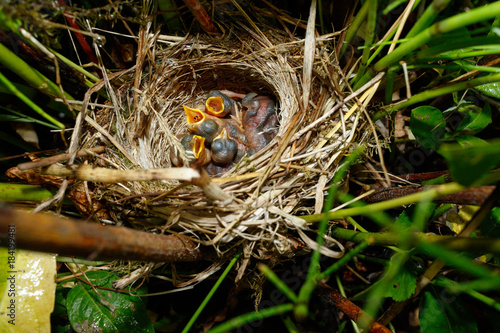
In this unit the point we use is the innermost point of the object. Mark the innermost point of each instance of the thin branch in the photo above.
(354, 312)
(46, 233)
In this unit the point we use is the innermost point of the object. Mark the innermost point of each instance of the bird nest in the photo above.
(259, 200)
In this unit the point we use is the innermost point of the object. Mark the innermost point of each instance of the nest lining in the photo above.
(260, 213)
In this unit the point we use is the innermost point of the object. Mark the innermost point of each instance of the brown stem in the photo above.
(58, 158)
(201, 15)
(471, 196)
(46, 233)
(353, 311)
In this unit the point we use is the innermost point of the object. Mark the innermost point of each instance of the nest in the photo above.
(268, 190)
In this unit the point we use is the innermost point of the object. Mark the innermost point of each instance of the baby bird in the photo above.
(259, 121)
(223, 149)
(237, 133)
(219, 104)
(202, 124)
(197, 153)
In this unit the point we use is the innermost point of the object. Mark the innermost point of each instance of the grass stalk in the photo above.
(22, 192)
(239, 321)
(475, 15)
(6, 82)
(369, 210)
(28, 74)
(274, 279)
(369, 37)
(429, 94)
(344, 260)
(211, 293)
(354, 27)
(459, 261)
(301, 310)
(429, 15)
(454, 286)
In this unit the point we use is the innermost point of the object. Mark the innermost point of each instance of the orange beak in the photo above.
(197, 144)
(223, 135)
(215, 106)
(193, 116)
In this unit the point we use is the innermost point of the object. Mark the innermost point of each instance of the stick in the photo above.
(104, 175)
(354, 312)
(58, 158)
(46, 233)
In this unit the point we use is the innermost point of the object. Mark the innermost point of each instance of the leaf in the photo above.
(28, 288)
(441, 312)
(470, 165)
(490, 227)
(475, 120)
(470, 141)
(490, 89)
(403, 220)
(404, 283)
(428, 126)
(105, 310)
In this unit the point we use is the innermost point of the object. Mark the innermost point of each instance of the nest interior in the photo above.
(269, 189)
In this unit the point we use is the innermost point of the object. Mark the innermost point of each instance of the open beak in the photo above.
(197, 144)
(215, 106)
(203, 155)
(193, 116)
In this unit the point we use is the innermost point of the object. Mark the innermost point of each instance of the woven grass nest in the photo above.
(266, 191)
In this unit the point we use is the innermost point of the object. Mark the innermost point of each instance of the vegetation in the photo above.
(415, 204)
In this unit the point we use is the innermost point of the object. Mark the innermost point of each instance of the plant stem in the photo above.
(46, 233)
(30, 75)
(211, 293)
(429, 15)
(454, 286)
(367, 210)
(354, 27)
(475, 15)
(301, 309)
(29, 102)
(252, 316)
(438, 92)
(344, 260)
(274, 279)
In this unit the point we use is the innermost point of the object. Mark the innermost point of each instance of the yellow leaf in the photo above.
(27, 288)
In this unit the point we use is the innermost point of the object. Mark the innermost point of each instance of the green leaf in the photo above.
(105, 310)
(490, 227)
(441, 312)
(470, 165)
(475, 120)
(470, 141)
(404, 283)
(490, 89)
(403, 220)
(428, 126)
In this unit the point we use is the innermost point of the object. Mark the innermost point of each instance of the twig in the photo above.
(200, 14)
(212, 191)
(42, 232)
(354, 312)
(470, 196)
(89, 173)
(58, 158)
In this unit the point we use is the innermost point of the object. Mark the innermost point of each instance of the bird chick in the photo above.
(219, 104)
(196, 152)
(260, 121)
(202, 124)
(223, 149)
